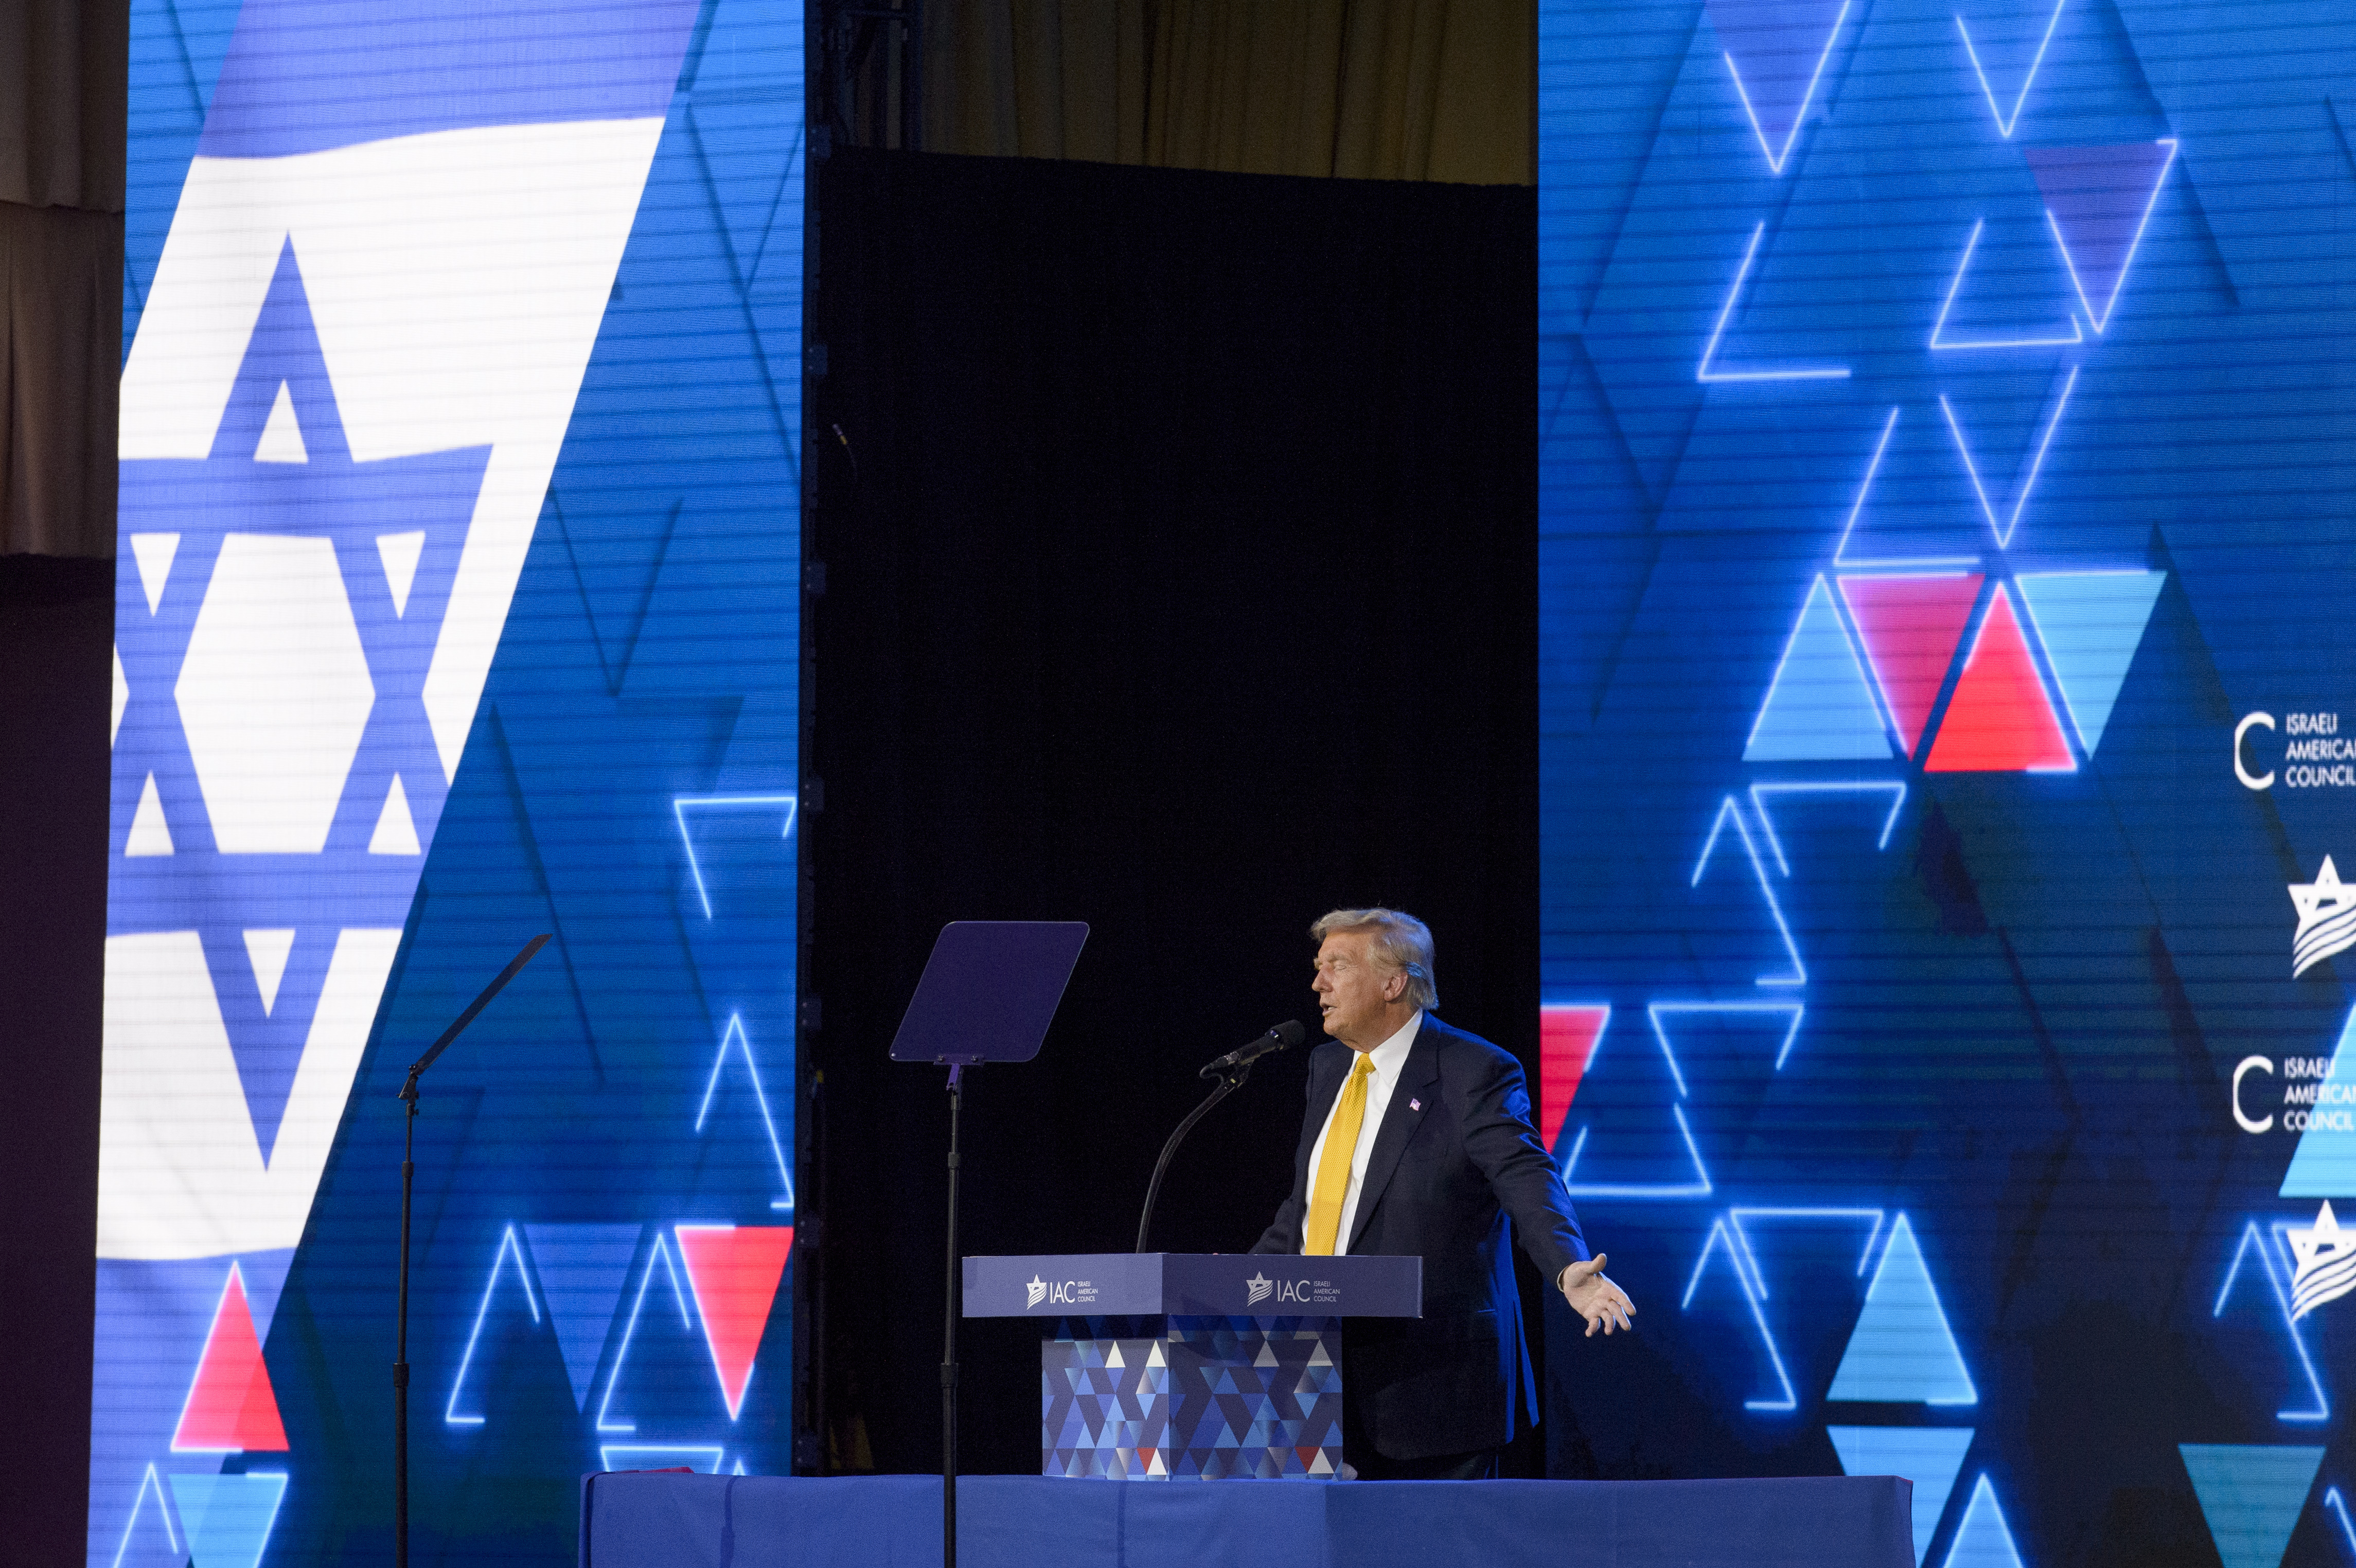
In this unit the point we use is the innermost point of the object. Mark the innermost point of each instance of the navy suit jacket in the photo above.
(1440, 1183)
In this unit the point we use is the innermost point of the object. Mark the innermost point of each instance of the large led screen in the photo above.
(1948, 602)
(457, 603)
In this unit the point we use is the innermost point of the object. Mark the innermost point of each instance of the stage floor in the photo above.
(640, 1521)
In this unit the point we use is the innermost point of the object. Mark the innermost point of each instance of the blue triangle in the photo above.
(582, 1271)
(1901, 1350)
(205, 26)
(1927, 1455)
(1819, 707)
(227, 1518)
(2325, 1163)
(749, 46)
(1982, 1540)
(2251, 1497)
(2093, 623)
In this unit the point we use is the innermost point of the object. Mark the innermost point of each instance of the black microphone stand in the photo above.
(408, 1180)
(1230, 1080)
(1231, 1070)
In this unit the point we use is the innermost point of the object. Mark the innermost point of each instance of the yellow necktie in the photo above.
(1333, 1166)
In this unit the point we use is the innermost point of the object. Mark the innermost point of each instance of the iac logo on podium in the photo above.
(1057, 1293)
(1260, 1288)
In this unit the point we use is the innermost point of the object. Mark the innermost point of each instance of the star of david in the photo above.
(2321, 898)
(280, 470)
(2319, 1243)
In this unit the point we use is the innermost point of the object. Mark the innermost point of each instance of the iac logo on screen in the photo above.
(2327, 919)
(2313, 755)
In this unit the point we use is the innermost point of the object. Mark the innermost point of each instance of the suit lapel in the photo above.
(1417, 1074)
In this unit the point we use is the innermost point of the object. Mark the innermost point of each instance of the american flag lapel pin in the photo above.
(1415, 1105)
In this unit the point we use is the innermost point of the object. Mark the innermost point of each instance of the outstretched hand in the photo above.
(1593, 1296)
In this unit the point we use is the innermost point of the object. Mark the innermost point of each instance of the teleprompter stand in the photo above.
(988, 994)
(408, 1180)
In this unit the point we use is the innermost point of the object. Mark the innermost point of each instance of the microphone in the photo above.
(1230, 1069)
(1278, 1038)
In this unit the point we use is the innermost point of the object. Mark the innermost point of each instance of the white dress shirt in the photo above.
(1389, 1058)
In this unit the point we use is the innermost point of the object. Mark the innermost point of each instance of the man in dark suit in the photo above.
(1418, 1143)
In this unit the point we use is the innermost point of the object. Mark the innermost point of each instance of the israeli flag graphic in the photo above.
(398, 228)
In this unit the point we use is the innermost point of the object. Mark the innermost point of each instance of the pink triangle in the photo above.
(2099, 200)
(2000, 721)
(1911, 627)
(1567, 1037)
(734, 1271)
(230, 1406)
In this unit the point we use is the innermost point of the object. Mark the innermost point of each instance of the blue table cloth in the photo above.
(640, 1521)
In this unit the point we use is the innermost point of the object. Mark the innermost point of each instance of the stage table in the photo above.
(645, 1520)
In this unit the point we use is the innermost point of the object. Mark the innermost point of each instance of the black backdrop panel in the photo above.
(1178, 540)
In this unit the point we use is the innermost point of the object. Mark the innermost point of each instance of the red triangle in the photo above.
(1911, 627)
(734, 1271)
(230, 1406)
(1567, 1038)
(2000, 721)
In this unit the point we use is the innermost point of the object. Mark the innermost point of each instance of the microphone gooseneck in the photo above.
(1230, 1069)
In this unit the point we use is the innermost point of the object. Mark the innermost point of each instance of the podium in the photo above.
(1173, 1366)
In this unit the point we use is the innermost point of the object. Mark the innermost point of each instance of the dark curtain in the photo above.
(57, 625)
(63, 72)
(63, 67)
(60, 359)
(1178, 534)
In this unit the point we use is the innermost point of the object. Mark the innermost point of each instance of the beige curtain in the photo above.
(63, 65)
(1419, 90)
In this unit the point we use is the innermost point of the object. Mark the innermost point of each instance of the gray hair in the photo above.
(1401, 944)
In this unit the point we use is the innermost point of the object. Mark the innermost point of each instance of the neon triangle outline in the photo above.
(734, 1033)
(1799, 974)
(1954, 286)
(1775, 160)
(562, 1256)
(2004, 127)
(2100, 320)
(1704, 372)
(510, 1245)
(2005, 529)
